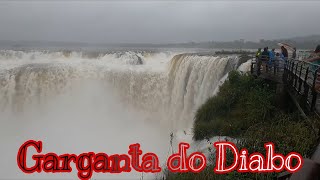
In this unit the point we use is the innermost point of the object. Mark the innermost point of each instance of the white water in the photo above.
(77, 103)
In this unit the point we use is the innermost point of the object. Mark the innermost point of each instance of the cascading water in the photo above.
(192, 79)
(77, 102)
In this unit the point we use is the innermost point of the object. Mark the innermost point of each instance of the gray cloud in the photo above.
(156, 21)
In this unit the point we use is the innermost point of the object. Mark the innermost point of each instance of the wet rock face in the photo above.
(132, 59)
(139, 61)
(135, 60)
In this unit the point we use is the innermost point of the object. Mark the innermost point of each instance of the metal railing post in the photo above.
(251, 70)
(314, 92)
(300, 78)
(291, 74)
(305, 87)
(296, 76)
(274, 66)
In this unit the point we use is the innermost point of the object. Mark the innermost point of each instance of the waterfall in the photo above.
(78, 101)
(172, 93)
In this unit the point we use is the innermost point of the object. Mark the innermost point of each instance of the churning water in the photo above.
(101, 102)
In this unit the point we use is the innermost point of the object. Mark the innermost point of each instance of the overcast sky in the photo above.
(156, 21)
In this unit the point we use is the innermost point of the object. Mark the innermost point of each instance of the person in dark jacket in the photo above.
(265, 56)
(263, 59)
(284, 52)
(294, 53)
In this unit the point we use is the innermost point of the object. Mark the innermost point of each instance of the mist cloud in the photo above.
(156, 21)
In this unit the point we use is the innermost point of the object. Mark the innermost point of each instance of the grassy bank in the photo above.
(250, 110)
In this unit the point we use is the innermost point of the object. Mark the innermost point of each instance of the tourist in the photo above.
(265, 54)
(279, 61)
(284, 52)
(262, 60)
(271, 56)
(315, 57)
(294, 53)
(258, 53)
(315, 60)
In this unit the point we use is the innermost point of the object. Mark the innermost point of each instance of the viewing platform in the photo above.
(301, 80)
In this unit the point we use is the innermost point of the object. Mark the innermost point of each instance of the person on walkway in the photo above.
(258, 53)
(284, 52)
(279, 62)
(272, 55)
(315, 60)
(265, 54)
(294, 53)
(263, 60)
(315, 56)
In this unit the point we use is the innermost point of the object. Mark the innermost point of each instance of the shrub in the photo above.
(245, 108)
(241, 100)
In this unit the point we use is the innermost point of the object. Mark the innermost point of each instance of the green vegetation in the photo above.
(231, 52)
(250, 111)
(242, 101)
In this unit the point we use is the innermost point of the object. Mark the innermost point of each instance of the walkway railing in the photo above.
(302, 80)
(300, 77)
(269, 70)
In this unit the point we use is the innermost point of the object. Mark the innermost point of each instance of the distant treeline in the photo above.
(307, 42)
(247, 44)
(230, 52)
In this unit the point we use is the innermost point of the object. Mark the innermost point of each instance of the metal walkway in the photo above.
(302, 80)
(299, 77)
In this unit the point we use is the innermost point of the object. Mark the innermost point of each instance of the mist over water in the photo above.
(77, 102)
